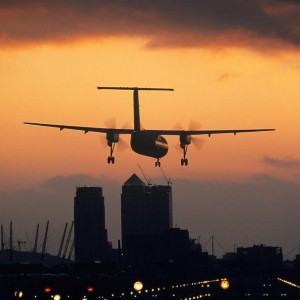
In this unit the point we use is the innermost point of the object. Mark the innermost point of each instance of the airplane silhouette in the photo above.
(144, 141)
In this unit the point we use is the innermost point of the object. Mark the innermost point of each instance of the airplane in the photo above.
(146, 142)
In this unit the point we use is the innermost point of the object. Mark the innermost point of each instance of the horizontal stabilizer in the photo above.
(133, 88)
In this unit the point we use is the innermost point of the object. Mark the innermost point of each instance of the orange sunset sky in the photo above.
(233, 64)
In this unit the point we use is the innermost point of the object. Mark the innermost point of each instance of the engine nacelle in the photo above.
(112, 137)
(185, 139)
(149, 144)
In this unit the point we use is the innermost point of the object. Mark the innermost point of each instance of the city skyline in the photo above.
(228, 70)
(220, 215)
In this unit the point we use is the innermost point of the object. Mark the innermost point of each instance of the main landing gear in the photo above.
(111, 158)
(112, 138)
(184, 160)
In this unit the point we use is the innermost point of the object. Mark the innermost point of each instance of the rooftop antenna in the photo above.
(169, 182)
(148, 181)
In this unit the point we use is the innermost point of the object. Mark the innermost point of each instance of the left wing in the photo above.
(208, 132)
(84, 129)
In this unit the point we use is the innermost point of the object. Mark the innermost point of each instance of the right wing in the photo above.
(207, 132)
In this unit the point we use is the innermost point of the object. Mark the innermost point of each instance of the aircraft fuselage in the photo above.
(149, 144)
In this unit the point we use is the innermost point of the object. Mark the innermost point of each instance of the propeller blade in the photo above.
(122, 145)
(126, 125)
(198, 142)
(178, 126)
(103, 140)
(110, 123)
(194, 125)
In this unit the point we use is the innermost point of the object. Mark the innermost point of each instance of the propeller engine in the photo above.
(185, 140)
(113, 138)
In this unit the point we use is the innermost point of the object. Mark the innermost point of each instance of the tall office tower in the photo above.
(89, 221)
(145, 210)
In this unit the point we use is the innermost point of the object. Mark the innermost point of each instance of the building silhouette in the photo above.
(145, 209)
(89, 221)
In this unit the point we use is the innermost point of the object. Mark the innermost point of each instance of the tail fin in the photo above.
(136, 108)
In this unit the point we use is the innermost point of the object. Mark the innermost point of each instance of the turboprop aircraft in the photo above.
(144, 141)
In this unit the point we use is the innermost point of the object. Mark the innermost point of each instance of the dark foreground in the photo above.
(91, 282)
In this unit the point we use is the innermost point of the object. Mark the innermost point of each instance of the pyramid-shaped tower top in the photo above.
(134, 180)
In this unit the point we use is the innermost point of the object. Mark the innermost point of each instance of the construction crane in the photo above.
(31, 249)
(20, 242)
(45, 241)
(62, 240)
(36, 238)
(68, 241)
(147, 181)
(169, 182)
(71, 250)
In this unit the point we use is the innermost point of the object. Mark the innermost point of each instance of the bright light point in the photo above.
(138, 286)
(224, 284)
(18, 294)
(56, 297)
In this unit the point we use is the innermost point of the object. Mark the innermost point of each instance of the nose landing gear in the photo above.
(157, 163)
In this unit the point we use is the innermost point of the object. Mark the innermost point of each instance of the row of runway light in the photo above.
(154, 292)
(53, 296)
(139, 291)
(289, 283)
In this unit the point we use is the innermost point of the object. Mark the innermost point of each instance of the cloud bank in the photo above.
(169, 23)
(281, 163)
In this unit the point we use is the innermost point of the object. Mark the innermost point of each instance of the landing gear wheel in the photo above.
(110, 159)
(184, 162)
(157, 163)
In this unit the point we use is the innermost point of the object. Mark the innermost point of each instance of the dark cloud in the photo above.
(281, 163)
(173, 23)
(262, 209)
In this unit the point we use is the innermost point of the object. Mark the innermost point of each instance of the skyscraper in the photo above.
(89, 221)
(145, 210)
